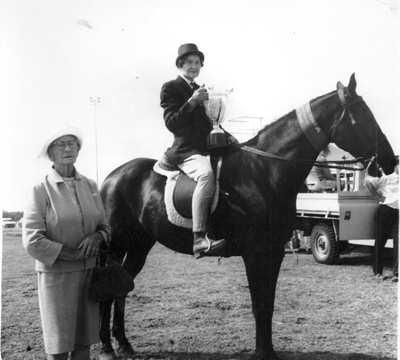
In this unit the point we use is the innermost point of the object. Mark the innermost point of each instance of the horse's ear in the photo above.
(352, 85)
(339, 85)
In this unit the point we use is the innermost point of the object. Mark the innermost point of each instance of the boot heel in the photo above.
(199, 255)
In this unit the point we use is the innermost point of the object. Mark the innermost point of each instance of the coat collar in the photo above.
(57, 178)
(186, 85)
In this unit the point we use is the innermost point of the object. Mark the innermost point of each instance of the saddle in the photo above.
(179, 190)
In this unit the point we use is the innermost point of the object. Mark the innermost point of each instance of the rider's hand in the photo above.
(198, 96)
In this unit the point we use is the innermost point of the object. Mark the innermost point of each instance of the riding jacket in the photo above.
(189, 126)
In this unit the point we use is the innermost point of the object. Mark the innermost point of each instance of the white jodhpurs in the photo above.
(198, 168)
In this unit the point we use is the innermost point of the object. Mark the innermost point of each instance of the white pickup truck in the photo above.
(8, 223)
(331, 217)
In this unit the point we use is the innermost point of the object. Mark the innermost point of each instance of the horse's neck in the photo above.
(285, 139)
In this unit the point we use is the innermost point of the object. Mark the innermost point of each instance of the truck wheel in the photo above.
(324, 247)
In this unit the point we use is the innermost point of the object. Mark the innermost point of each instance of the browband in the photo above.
(310, 128)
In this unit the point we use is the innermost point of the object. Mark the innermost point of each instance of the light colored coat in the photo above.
(52, 220)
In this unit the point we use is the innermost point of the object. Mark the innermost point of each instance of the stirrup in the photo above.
(209, 243)
(209, 249)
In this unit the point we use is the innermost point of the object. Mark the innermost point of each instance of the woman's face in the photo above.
(64, 150)
(191, 67)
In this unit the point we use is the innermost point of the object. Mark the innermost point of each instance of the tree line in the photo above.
(14, 215)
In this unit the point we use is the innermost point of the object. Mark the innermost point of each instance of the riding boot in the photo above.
(203, 245)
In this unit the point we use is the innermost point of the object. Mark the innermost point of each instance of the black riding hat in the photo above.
(188, 49)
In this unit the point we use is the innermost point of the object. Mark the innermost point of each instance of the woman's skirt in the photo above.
(69, 318)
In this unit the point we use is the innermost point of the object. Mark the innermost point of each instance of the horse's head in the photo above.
(355, 129)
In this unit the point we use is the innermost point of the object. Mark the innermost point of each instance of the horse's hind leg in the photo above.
(134, 262)
(106, 352)
(125, 349)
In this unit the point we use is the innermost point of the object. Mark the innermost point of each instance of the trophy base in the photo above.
(216, 140)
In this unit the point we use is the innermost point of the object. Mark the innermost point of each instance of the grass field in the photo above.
(187, 309)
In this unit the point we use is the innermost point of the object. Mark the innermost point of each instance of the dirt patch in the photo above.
(187, 309)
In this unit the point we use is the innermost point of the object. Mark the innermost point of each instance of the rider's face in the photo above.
(191, 67)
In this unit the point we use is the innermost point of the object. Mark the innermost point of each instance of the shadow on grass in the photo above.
(359, 256)
(245, 355)
(364, 258)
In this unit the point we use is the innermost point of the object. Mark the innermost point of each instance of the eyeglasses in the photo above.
(73, 144)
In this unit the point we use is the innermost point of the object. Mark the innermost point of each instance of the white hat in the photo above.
(66, 131)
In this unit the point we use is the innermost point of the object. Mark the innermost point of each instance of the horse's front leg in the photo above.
(124, 347)
(263, 263)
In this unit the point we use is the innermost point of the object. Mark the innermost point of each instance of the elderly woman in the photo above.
(65, 225)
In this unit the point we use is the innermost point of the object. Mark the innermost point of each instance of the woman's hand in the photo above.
(198, 96)
(89, 246)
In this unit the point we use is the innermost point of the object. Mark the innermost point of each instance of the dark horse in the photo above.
(257, 211)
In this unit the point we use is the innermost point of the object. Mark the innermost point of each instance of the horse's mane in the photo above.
(269, 129)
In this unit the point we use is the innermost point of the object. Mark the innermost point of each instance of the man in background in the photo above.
(387, 226)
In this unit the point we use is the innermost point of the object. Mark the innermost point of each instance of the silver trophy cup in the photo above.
(217, 107)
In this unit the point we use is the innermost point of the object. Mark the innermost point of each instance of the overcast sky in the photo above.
(276, 55)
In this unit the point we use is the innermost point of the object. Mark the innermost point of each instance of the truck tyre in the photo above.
(324, 247)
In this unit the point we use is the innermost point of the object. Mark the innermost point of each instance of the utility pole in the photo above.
(96, 101)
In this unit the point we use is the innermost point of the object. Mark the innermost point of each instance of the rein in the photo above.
(317, 138)
(325, 164)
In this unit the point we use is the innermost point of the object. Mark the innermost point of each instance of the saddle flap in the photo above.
(182, 195)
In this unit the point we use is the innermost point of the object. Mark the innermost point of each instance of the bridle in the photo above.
(341, 164)
(346, 109)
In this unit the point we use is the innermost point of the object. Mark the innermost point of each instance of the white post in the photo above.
(95, 101)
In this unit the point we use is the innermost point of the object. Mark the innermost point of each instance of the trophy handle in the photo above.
(230, 95)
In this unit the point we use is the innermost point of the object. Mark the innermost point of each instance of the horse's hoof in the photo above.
(107, 356)
(125, 352)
